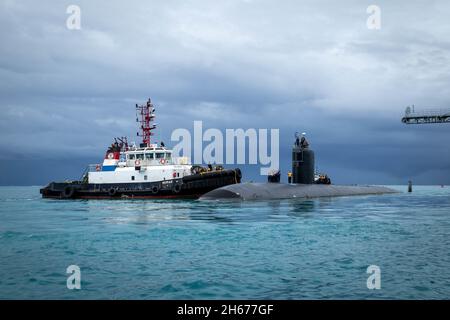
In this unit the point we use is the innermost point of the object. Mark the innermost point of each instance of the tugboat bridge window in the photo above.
(132, 177)
(168, 156)
(149, 156)
(159, 155)
(131, 156)
(140, 156)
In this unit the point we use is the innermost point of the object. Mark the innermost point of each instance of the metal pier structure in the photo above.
(426, 116)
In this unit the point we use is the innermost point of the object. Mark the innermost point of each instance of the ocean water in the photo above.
(291, 249)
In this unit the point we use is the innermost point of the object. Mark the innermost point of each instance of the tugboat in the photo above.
(145, 171)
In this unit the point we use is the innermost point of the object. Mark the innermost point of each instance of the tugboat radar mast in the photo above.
(145, 114)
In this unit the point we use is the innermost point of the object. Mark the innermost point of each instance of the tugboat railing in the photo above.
(90, 168)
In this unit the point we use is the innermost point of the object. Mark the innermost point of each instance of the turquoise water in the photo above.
(141, 249)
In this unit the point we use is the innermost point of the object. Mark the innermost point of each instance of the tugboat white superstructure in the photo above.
(145, 171)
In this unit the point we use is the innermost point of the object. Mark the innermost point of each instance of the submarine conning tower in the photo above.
(302, 161)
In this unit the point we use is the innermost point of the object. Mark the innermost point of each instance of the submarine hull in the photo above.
(272, 191)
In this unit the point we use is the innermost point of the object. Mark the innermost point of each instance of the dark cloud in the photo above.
(311, 66)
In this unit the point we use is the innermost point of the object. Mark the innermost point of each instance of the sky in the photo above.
(310, 66)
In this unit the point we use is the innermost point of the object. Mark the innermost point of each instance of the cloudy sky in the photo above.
(309, 66)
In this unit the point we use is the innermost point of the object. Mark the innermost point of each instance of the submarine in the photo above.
(304, 184)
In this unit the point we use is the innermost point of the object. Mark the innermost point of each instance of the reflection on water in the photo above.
(148, 212)
(302, 208)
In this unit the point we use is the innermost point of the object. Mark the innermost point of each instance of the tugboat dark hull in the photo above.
(190, 187)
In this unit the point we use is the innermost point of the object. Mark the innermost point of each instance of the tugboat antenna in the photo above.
(145, 115)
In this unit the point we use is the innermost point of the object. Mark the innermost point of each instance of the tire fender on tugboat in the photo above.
(68, 192)
(176, 188)
(112, 191)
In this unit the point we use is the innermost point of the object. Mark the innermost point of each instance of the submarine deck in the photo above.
(268, 191)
